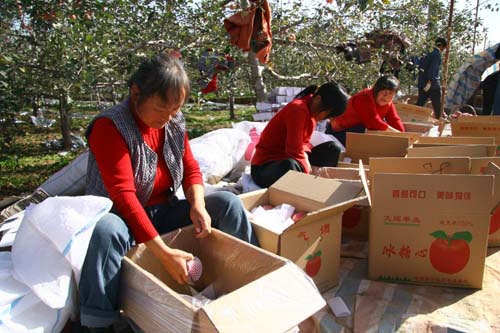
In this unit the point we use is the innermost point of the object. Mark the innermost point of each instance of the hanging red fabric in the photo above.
(250, 29)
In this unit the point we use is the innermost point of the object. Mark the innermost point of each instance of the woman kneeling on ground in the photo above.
(284, 144)
(139, 157)
(371, 108)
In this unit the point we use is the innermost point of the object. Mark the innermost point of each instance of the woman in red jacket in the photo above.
(371, 108)
(284, 143)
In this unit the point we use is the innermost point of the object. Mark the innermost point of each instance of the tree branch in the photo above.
(281, 77)
(286, 27)
(309, 44)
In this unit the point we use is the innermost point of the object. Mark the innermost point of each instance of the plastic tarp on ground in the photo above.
(386, 307)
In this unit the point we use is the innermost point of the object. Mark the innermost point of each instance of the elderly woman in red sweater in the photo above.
(284, 144)
(371, 108)
(139, 157)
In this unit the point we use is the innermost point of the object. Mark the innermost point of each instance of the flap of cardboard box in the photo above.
(362, 145)
(479, 119)
(424, 165)
(471, 194)
(479, 164)
(413, 136)
(258, 307)
(464, 150)
(494, 170)
(309, 193)
(457, 140)
(327, 211)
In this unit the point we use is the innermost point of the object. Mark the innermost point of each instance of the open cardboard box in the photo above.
(423, 128)
(414, 113)
(362, 146)
(313, 242)
(355, 219)
(429, 228)
(256, 291)
(481, 126)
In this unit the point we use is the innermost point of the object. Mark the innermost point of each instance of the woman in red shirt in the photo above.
(139, 156)
(371, 108)
(284, 143)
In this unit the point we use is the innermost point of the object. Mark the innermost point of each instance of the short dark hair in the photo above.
(386, 82)
(333, 97)
(163, 75)
(441, 42)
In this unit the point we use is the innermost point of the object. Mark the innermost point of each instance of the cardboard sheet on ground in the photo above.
(387, 307)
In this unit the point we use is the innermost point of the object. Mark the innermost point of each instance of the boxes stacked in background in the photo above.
(430, 219)
(278, 98)
(480, 126)
(313, 242)
(261, 291)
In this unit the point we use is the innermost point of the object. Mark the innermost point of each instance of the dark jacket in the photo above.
(429, 70)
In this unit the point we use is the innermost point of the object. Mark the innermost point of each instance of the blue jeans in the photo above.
(100, 279)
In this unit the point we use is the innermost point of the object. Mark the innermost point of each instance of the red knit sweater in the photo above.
(362, 110)
(287, 134)
(113, 159)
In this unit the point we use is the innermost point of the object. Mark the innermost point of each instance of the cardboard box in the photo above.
(257, 291)
(479, 164)
(355, 219)
(429, 229)
(494, 229)
(413, 113)
(423, 128)
(313, 243)
(463, 150)
(483, 126)
(360, 146)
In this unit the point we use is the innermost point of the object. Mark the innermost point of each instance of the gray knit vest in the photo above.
(144, 159)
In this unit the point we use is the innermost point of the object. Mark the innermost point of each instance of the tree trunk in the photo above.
(231, 107)
(64, 117)
(257, 81)
(34, 105)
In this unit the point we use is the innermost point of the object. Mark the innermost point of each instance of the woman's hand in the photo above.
(173, 260)
(201, 220)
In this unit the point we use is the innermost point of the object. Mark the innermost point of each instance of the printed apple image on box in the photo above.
(450, 254)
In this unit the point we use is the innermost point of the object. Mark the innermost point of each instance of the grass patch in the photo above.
(30, 162)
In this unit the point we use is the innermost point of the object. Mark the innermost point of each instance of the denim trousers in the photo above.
(99, 285)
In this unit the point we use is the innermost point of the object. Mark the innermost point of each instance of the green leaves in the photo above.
(460, 235)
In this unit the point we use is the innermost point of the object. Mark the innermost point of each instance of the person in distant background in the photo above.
(371, 108)
(284, 144)
(429, 85)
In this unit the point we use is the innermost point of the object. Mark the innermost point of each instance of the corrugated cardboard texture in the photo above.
(363, 146)
(407, 209)
(469, 150)
(250, 285)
